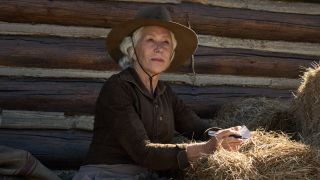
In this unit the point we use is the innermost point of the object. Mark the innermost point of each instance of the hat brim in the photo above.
(187, 40)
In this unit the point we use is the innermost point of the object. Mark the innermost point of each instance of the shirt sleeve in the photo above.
(187, 122)
(130, 132)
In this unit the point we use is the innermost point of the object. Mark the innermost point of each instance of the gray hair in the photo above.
(126, 48)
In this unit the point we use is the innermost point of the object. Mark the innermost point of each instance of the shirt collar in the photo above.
(130, 75)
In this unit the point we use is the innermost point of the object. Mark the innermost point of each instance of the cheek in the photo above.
(143, 53)
(169, 55)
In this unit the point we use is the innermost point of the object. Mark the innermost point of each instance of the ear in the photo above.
(172, 57)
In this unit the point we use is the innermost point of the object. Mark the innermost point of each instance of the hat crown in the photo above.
(155, 12)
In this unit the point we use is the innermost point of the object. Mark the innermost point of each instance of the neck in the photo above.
(145, 79)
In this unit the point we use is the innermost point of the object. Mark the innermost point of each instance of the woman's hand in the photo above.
(227, 138)
(222, 138)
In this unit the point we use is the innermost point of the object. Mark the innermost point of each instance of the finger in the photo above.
(234, 140)
(227, 132)
(232, 146)
(236, 128)
(235, 144)
(229, 147)
(235, 148)
(229, 143)
(231, 132)
(225, 145)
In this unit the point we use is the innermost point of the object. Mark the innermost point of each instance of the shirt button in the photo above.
(157, 106)
(160, 118)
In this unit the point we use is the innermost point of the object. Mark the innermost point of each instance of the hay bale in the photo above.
(306, 105)
(267, 155)
(255, 113)
(222, 165)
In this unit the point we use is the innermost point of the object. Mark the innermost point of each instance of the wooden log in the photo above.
(228, 22)
(204, 40)
(13, 119)
(20, 119)
(52, 30)
(250, 62)
(74, 96)
(189, 79)
(261, 45)
(50, 52)
(261, 5)
(90, 54)
(24, 51)
(57, 149)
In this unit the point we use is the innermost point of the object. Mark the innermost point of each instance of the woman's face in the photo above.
(154, 49)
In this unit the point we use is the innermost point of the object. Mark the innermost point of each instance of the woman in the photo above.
(136, 114)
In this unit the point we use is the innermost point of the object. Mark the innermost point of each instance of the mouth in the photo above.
(157, 60)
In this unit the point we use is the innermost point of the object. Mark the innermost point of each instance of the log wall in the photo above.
(220, 21)
(53, 63)
(90, 54)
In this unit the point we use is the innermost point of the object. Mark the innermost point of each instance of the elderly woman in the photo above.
(136, 114)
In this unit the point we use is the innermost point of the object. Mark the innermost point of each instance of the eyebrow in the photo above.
(153, 34)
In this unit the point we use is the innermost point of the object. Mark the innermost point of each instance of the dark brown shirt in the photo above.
(134, 127)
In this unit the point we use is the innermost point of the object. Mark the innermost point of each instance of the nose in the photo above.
(157, 50)
(158, 47)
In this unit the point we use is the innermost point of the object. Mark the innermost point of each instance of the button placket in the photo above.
(156, 107)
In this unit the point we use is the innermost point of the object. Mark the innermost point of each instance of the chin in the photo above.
(158, 69)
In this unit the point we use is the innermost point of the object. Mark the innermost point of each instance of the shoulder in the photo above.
(167, 87)
(115, 87)
(117, 81)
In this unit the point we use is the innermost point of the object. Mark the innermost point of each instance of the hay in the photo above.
(222, 165)
(306, 105)
(254, 113)
(265, 156)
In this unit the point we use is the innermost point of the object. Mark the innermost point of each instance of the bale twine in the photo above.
(267, 155)
(306, 105)
(270, 114)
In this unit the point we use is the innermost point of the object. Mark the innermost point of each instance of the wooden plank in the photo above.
(55, 149)
(52, 30)
(228, 22)
(204, 40)
(250, 62)
(272, 46)
(13, 119)
(90, 54)
(74, 96)
(261, 5)
(50, 52)
(49, 95)
(54, 52)
(191, 79)
(230, 80)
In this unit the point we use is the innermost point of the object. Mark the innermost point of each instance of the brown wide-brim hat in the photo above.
(187, 40)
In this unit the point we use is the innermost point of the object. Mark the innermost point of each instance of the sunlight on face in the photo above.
(154, 49)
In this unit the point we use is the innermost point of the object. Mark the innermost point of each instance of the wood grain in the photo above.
(78, 96)
(13, 119)
(90, 54)
(57, 149)
(227, 22)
